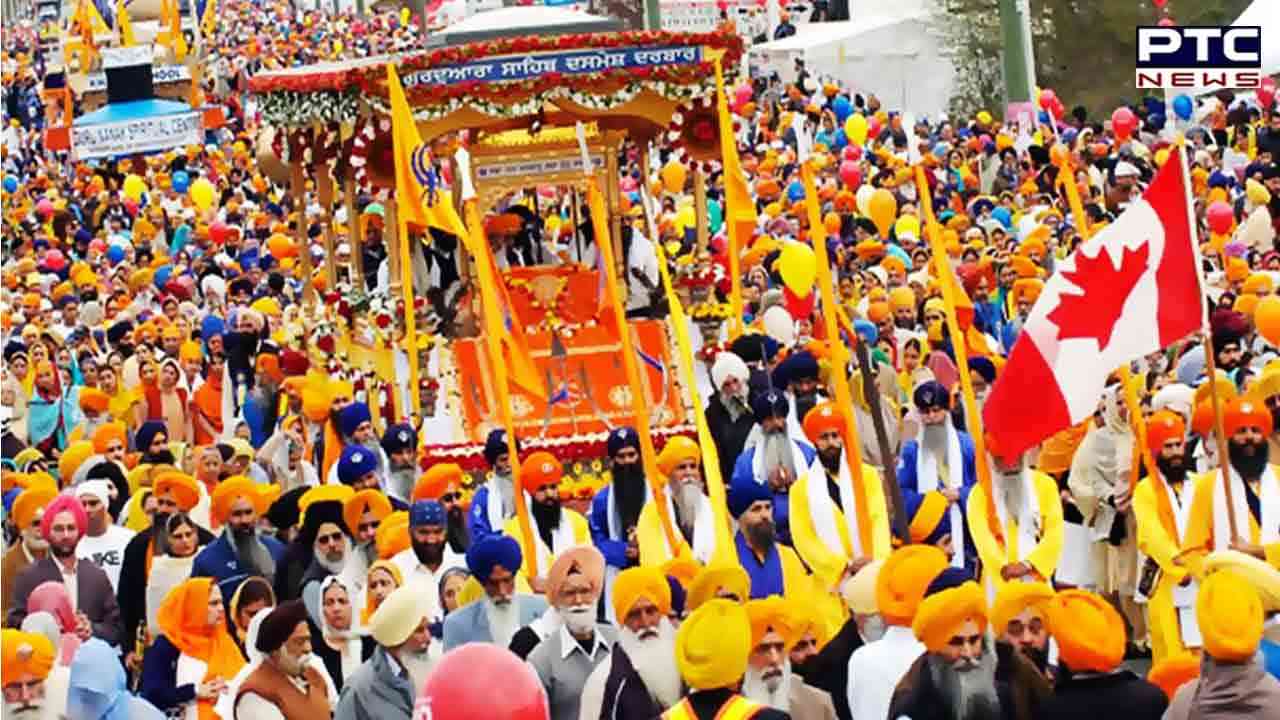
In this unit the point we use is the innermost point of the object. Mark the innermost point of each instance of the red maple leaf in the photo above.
(1095, 312)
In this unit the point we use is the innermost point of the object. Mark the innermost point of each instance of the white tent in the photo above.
(895, 57)
(523, 20)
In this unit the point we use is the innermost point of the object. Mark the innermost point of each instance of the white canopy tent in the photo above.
(893, 56)
(522, 20)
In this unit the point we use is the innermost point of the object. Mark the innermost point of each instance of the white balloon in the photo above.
(1257, 231)
(863, 199)
(779, 325)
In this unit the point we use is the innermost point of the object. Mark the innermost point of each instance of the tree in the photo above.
(1084, 50)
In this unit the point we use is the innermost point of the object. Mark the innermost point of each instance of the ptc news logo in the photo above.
(1199, 57)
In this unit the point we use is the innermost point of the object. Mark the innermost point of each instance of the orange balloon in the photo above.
(832, 223)
(1266, 317)
(281, 247)
(883, 208)
(1059, 154)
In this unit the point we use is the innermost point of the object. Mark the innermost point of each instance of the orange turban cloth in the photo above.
(393, 534)
(583, 560)
(103, 436)
(718, 580)
(677, 450)
(1229, 613)
(942, 614)
(180, 486)
(183, 617)
(364, 501)
(1163, 426)
(23, 653)
(539, 470)
(228, 492)
(821, 418)
(903, 579)
(878, 312)
(774, 614)
(1245, 412)
(1089, 631)
(438, 480)
(1013, 598)
(93, 400)
(29, 503)
(191, 351)
(1174, 672)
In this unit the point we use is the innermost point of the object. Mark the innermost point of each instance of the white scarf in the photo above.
(1028, 518)
(1268, 498)
(190, 671)
(927, 481)
(822, 510)
(704, 535)
(561, 537)
(1181, 508)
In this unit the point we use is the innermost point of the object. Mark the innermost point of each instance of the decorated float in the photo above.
(513, 94)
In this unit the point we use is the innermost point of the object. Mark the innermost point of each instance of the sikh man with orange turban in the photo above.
(1160, 505)
(1247, 422)
(239, 551)
(555, 528)
(26, 659)
(838, 525)
(688, 506)
(776, 626)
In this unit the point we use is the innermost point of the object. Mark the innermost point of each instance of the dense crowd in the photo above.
(206, 517)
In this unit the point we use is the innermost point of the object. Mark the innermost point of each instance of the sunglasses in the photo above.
(450, 497)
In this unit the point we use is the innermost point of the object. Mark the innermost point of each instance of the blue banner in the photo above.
(574, 62)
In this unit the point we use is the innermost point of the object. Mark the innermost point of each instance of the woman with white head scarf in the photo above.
(339, 645)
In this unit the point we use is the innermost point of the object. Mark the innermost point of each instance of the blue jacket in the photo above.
(613, 550)
(471, 624)
(159, 677)
(480, 527)
(219, 561)
(743, 471)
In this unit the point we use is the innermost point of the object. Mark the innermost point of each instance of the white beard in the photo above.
(507, 492)
(934, 439)
(419, 666)
(335, 567)
(23, 711)
(688, 499)
(652, 659)
(1011, 493)
(777, 453)
(504, 621)
(755, 687)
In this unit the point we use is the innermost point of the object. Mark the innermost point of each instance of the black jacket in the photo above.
(829, 669)
(730, 435)
(1022, 690)
(1120, 695)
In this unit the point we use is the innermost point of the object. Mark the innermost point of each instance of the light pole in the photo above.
(1018, 54)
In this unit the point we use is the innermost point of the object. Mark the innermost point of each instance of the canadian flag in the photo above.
(1128, 291)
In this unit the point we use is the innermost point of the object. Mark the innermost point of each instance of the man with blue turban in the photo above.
(493, 561)
(774, 458)
(495, 502)
(769, 564)
(428, 556)
(355, 424)
(936, 472)
(615, 510)
(797, 377)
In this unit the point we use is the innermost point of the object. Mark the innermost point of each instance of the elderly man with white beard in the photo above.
(640, 679)
(774, 457)
(384, 687)
(728, 412)
(28, 659)
(688, 506)
(955, 679)
(937, 471)
(493, 561)
(566, 657)
(325, 532)
(769, 680)
(356, 425)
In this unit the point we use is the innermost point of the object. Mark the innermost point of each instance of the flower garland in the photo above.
(294, 109)
(372, 135)
(573, 448)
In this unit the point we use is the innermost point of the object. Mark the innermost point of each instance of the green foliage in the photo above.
(1084, 49)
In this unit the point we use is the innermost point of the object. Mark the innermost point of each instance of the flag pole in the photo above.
(410, 316)
(1066, 176)
(946, 277)
(1211, 366)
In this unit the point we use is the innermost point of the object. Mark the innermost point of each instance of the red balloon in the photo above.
(1123, 122)
(873, 127)
(1220, 217)
(1159, 3)
(480, 675)
(1047, 98)
(1056, 109)
(852, 152)
(1267, 92)
(851, 174)
(1165, 22)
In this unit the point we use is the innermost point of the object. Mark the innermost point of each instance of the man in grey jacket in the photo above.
(493, 560)
(384, 687)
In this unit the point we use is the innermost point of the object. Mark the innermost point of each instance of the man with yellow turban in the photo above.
(638, 680)
(713, 648)
(26, 659)
(1160, 506)
(838, 525)
(1254, 496)
(1232, 682)
(1018, 621)
(26, 514)
(688, 507)
(1091, 641)
(769, 680)
(876, 667)
(239, 551)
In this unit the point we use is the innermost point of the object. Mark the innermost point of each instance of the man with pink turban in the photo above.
(88, 589)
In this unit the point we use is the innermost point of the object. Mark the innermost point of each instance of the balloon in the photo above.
(1266, 317)
(1156, 121)
(984, 117)
(1123, 121)
(840, 141)
(133, 187)
(1162, 156)
(115, 254)
(1182, 107)
(686, 218)
(1267, 92)
(1159, 3)
(1256, 192)
(742, 94)
(855, 128)
(45, 207)
(715, 216)
(673, 176)
(883, 208)
(795, 191)
(863, 199)
(54, 260)
(1003, 216)
(1220, 217)
(1257, 230)
(852, 152)
(779, 325)
(1165, 22)
(907, 225)
(1047, 98)
(874, 126)
(799, 267)
(851, 174)
(508, 688)
(627, 184)
(181, 181)
(10, 184)
(162, 276)
(281, 246)
(405, 16)
(202, 193)
(842, 108)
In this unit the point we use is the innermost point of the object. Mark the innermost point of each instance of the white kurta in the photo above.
(876, 668)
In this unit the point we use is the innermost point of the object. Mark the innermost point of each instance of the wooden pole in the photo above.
(298, 187)
(615, 216)
(892, 490)
(353, 232)
(700, 209)
(1224, 459)
(389, 226)
(324, 183)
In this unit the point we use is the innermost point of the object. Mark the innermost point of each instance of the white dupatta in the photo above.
(561, 537)
(1268, 500)
(822, 510)
(927, 481)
